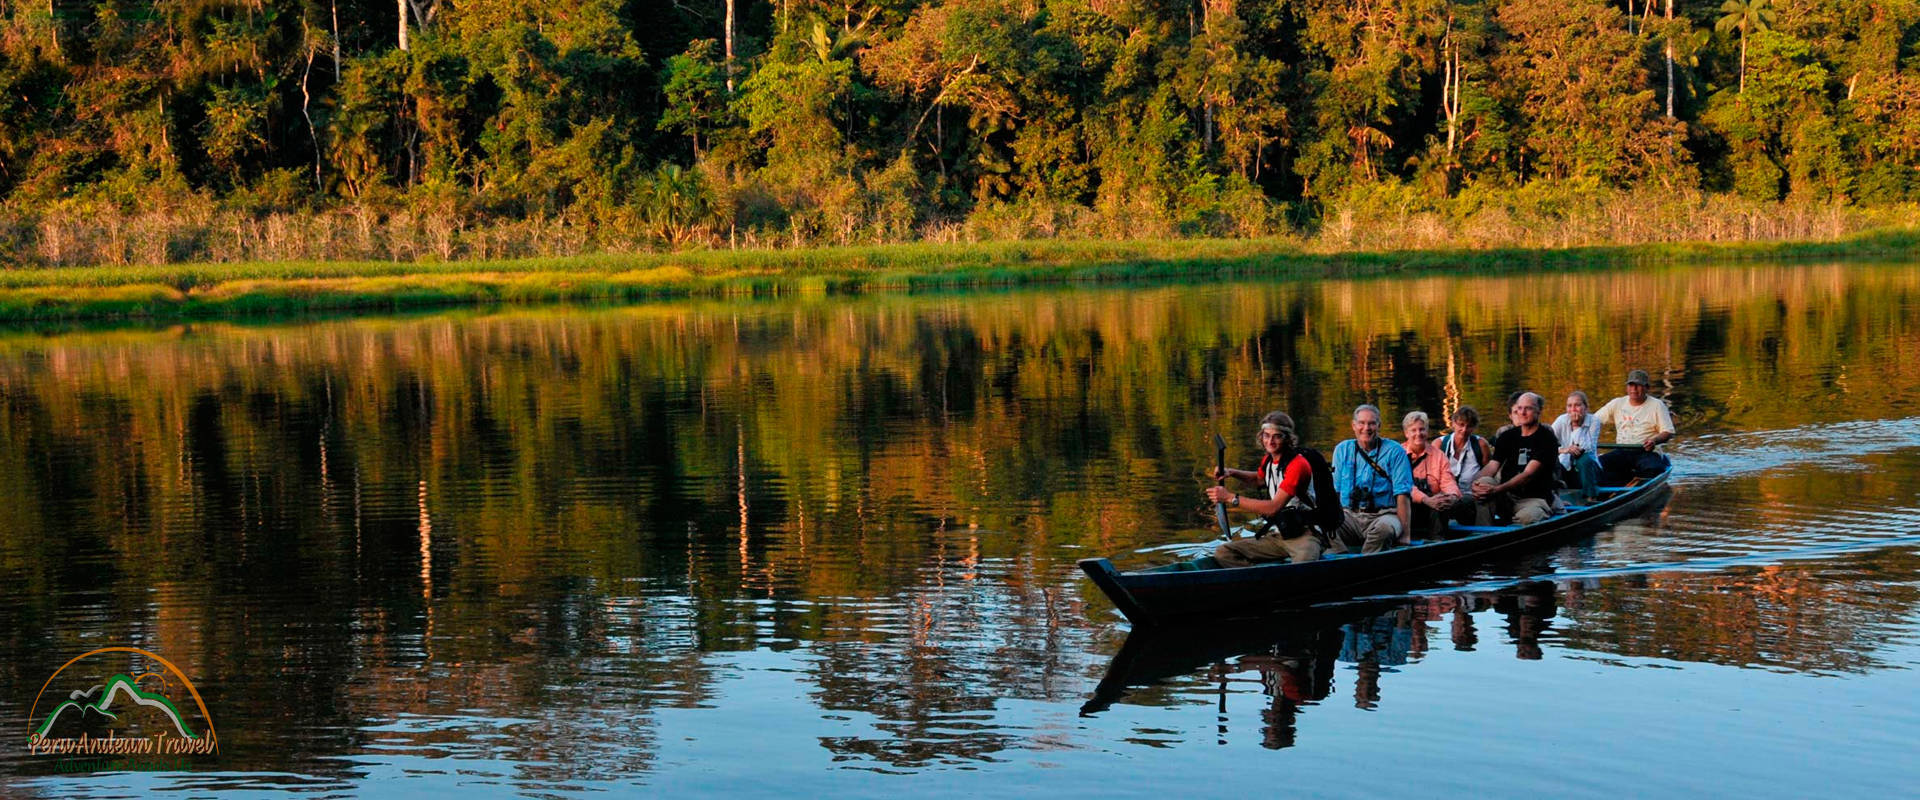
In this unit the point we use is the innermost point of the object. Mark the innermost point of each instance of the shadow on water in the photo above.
(1295, 654)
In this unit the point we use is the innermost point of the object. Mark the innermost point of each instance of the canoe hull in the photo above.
(1155, 598)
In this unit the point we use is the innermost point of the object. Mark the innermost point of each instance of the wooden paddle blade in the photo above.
(1220, 509)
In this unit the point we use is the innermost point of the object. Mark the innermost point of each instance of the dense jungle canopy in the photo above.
(874, 120)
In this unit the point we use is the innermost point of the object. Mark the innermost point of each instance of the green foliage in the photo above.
(673, 202)
(1587, 109)
(1779, 128)
(366, 138)
(695, 93)
(888, 120)
(1746, 16)
(245, 289)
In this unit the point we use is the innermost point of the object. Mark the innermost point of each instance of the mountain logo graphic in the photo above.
(123, 690)
(134, 712)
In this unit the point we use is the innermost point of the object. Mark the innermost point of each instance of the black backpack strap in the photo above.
(1286, 519)
(1370, 462)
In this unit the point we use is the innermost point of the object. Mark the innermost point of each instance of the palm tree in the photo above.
(1747, 16)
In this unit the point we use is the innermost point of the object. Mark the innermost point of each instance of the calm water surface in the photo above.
(827, 546)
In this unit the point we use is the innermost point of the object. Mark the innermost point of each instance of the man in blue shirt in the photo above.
(1375, 482)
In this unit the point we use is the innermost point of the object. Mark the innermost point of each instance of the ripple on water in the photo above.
(563, 551)
(1713, 457)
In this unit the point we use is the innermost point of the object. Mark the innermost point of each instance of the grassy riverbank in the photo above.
(216, 290)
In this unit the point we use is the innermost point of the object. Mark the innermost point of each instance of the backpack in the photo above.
(1482, 449)
(1322, 501)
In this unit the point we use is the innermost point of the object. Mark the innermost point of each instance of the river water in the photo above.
(826, 545)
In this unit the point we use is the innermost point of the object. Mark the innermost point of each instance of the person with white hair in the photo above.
(1518, 484)
(1579, 435)
(1434, 488)
(1375, 483)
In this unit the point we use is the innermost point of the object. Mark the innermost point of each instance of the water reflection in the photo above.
(565, 548)
(1352, 653)
(1296, 656)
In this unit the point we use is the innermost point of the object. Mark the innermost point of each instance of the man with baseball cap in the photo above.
(1637, 419)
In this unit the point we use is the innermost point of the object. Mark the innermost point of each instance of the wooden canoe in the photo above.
(1162, 595)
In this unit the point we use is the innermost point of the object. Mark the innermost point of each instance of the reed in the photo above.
(1374, 217)
(250, 288)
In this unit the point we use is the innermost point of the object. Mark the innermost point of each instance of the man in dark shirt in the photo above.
(1520, 476)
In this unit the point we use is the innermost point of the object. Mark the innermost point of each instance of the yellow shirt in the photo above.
(1636, 424)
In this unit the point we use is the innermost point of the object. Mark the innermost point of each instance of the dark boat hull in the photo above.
(1157, 597)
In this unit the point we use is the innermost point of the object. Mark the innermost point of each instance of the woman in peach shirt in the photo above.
(1434, 487)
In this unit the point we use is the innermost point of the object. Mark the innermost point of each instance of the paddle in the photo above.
(1220, 509)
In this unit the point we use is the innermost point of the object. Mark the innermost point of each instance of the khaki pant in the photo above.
(1247, 552)
(1526, 510)
(1370, 531)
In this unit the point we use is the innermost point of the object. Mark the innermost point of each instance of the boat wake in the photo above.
(1839, 446)
(1697, 565)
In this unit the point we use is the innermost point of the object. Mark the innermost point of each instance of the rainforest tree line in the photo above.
(808, 121)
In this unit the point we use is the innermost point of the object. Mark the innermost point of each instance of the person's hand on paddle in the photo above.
(1223, 473)
(1220, 494)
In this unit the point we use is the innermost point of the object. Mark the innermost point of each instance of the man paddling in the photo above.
(1375, 482)
(1286, 472)
(1638, 419)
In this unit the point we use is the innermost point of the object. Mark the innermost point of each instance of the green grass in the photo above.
(224, 290)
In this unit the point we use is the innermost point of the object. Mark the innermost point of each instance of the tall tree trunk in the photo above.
(729, 45)
(1206, 29)
(335, 7)
(403, 24)
(1743, 58)
(306, 103)
(1450, 87)
(1669, 59)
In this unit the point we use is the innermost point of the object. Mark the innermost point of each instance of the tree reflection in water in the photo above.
(543, 538)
